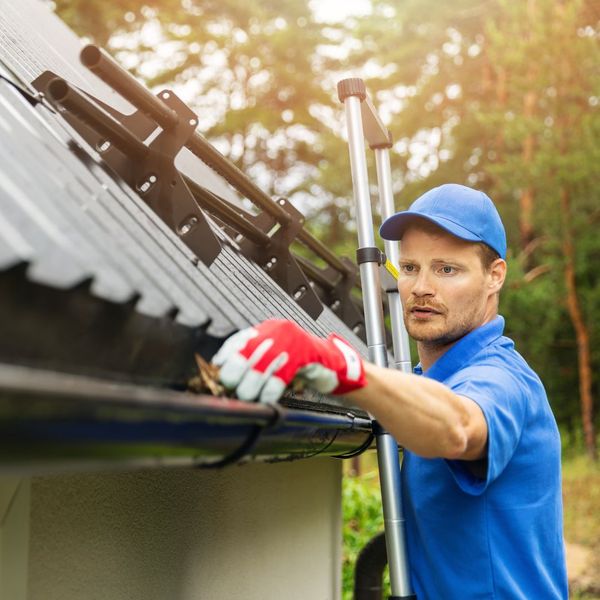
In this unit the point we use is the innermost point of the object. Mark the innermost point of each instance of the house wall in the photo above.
(14, 537)
(254, 532)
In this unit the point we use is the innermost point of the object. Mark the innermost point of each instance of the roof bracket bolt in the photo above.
(270, 263)
(147, 184)
(187, 225)
(103, 146)
(299, 292)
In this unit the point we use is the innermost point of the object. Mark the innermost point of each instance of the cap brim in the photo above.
(393, 228)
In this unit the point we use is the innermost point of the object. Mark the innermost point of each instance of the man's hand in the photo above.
(261, 361)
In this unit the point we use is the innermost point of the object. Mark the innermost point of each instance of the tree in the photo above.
(503, 96)
(550, 155)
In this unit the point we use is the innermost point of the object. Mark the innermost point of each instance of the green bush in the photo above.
(363, 519)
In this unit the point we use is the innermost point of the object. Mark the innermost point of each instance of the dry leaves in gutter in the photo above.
(207, 380)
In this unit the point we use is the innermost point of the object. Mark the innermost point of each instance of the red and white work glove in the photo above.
(260, 362)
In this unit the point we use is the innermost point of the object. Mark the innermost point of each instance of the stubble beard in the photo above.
(442, 335)
(438, 339)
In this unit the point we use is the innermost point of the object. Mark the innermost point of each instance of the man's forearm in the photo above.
(422, 414)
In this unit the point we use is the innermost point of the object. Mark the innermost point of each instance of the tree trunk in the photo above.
(526, 200)
(527, 195)
(501, 98)
(581, 331)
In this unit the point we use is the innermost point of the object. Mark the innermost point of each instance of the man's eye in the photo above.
(446, 270)
(407, 268)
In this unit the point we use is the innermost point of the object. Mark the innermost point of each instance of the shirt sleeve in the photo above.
(504, 404)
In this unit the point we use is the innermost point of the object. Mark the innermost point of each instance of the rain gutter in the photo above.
(51, 421)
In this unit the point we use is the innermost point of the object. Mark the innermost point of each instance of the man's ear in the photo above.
(497, 275)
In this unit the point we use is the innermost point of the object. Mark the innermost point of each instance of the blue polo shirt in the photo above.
(497, 534)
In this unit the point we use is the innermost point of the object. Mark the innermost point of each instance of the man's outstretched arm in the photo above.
(423, 415)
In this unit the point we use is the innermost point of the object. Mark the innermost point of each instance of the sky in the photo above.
(337, 10)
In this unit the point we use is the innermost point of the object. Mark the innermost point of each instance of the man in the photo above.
(481, 471)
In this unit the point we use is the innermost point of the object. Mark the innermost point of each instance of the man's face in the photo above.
(444, 289)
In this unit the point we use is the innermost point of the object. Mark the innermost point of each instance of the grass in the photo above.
(362, 520)
(581, 494)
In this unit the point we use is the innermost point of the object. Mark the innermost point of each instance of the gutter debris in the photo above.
(207, 380)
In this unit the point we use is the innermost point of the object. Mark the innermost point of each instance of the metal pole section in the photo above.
(209, 155)
(369, 271)
(106, 68)
(352, 92)
(60, 92)
(386, 208)
(388, 461)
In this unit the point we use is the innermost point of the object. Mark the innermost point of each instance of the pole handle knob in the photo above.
(353, 86)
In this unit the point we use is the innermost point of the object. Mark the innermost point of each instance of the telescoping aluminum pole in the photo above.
(352, 93)
(401, 346)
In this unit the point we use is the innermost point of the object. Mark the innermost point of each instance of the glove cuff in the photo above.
(351, 371)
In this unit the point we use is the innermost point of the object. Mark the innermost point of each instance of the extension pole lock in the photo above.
(370, 255)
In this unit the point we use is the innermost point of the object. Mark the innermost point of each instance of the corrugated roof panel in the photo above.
(150, 243)
(280, 303)
(14, 248)
(85, 200)
(74, 221)
(52, 263)
(90, 196)
(330, 323)
(44, 203)
(52, 259)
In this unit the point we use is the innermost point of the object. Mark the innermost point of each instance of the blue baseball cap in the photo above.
(462, 211)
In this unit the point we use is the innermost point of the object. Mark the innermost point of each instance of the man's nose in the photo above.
(423, 285)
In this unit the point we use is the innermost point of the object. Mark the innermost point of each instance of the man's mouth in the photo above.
(423, 311)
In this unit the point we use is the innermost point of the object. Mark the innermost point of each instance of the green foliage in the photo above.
(505, 94)
(362, 519)
(545, 118)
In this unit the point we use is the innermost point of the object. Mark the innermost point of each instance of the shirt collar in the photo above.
(463, 351)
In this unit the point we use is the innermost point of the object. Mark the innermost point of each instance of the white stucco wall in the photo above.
(255, 532)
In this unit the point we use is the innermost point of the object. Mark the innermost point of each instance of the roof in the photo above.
(96, 290)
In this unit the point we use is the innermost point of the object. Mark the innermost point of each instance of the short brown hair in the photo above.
(487, 254)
